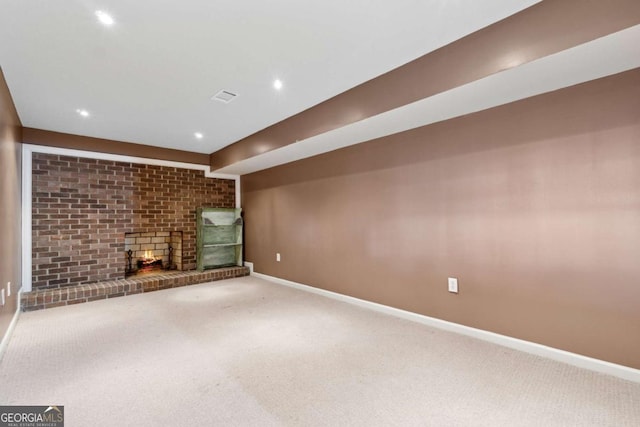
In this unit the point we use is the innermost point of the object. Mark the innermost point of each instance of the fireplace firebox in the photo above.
(152, 252)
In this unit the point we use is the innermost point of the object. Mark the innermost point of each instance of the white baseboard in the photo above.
(574, 359)
(250, 265)
(7, 336)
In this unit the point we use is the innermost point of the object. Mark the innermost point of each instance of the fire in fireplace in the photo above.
(149, 261)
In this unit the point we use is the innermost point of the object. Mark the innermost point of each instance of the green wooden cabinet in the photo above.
(219, 238)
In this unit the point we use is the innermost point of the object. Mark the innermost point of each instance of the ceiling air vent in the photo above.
(224, 96)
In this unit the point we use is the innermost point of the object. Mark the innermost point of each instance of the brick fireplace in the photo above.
(82, 209)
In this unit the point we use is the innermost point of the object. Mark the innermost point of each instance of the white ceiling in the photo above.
(148, 79)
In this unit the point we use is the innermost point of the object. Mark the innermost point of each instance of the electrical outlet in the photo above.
(2, 298)
(8, 289)
(453, 285)
(278, 256)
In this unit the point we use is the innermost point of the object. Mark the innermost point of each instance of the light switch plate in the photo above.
(278, 257)
(453, 285)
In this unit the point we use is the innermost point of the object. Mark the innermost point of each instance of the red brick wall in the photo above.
(83, 207)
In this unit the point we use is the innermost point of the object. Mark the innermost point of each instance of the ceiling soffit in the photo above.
(545, 29)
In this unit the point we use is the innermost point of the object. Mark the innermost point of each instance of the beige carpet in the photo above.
(246, 352)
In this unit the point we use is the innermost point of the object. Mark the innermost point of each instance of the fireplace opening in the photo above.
(155, 252)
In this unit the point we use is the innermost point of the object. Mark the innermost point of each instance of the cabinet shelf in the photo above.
(218, 237)
(220, 245)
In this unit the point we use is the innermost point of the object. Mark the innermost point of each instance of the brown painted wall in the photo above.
(82, 209)
(10, 204)
(534, 206)
(78, 142)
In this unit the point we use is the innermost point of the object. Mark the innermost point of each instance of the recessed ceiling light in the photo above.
(82, 112)
(198, 135)
(277, 83)
(104, 18)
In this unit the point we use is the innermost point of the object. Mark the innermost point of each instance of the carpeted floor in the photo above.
(246, 352)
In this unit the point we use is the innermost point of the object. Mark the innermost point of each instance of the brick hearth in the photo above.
(49, 298)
